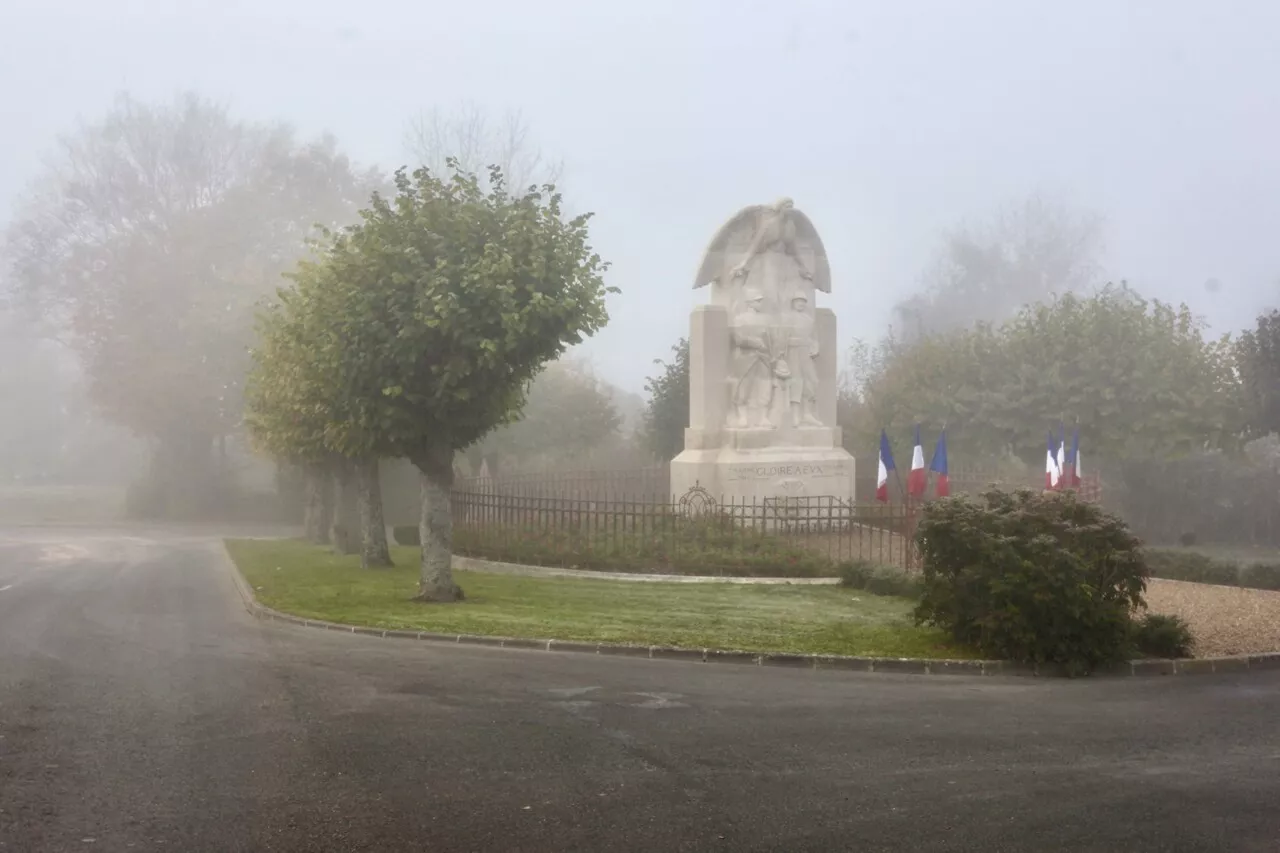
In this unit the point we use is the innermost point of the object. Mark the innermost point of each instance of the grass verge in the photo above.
(302, 579)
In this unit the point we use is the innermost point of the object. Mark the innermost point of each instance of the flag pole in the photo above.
(897, 476)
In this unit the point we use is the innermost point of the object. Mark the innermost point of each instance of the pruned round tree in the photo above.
(293, 405)
(284, 412)
(438, 310)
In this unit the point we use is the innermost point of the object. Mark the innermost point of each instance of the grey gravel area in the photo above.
(1225, 620)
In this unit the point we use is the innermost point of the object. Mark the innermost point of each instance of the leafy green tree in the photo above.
(149, 241)
(433, 316)
(667, 413)
(284, 412)
(1137, 376)
(290, 413)
(1258, 355)
(568, 413)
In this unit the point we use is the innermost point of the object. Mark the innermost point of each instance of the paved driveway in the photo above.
(142, 709)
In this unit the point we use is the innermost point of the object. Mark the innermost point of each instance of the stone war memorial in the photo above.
(762, 368)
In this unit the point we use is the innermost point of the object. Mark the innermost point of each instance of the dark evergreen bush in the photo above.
(1159, 636)
(1033, 577)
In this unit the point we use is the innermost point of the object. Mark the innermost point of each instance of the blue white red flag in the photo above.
(941, 484)
(883, 468)
(918, 477)
(1052, 473)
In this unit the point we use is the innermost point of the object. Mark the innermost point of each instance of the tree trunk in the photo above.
(345, 518)
(374, 552)
(182, 482)
(435, 528)
(318, 509)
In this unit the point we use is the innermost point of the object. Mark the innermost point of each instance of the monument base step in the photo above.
(732, 475)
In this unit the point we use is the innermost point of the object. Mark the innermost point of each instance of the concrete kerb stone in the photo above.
(794, 661)
(1154, 666)
(573, 646)
(1269, 660)
(673, 653)
(624, 650)
(916, 666)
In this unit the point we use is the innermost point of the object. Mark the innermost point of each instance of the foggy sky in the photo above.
(887, 123)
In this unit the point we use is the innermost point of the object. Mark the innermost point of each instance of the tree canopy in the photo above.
(568, 412)
(1138, 376)
(1259, 359)
(424, 324)
(149, 243)
(667, 412)
(984, 272)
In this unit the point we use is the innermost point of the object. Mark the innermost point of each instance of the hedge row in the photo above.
(685, 548)
(1180, 564)
(880, 580)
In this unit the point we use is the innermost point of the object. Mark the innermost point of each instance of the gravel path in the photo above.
(1226, 620)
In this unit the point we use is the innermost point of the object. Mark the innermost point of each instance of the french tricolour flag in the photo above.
(883, 468)
(917, 479)
(1052, 473)
(1062, 457)
(1071, 473)
(941, 485)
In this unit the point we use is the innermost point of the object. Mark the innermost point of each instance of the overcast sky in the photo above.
(886, 122)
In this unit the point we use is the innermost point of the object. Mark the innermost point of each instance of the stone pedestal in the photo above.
(738, 465)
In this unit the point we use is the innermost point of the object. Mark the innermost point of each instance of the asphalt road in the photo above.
(142, 709)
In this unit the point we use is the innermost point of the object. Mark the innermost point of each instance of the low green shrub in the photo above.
(1260, 576)
(1033, 577)
(698, 546)
(1182, 564)
(879, 580)
(1179, 564)
(1160, 636)
(406, 534)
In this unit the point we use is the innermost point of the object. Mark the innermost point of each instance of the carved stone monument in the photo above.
(762, 367)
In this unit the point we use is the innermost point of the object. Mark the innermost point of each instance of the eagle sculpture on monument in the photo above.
(770, 245)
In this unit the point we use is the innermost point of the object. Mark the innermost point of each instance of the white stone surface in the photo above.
(762, 367)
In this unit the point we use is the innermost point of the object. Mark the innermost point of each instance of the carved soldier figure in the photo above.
(751, 365)
(801, 349)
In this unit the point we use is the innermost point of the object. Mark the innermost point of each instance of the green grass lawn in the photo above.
(305, 580)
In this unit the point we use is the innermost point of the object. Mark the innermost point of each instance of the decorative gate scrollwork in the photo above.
(697, 501)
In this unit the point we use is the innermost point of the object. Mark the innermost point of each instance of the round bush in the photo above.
(1038, 578)
(1159, 636)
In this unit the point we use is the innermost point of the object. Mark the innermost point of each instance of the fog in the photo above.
(889, 124)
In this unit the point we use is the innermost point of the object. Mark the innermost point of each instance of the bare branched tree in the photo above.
(469, 135)
(147, 244)
(1027, 252)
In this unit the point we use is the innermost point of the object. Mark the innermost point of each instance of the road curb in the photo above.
(790, 660)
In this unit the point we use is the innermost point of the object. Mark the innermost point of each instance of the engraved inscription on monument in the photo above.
(772, 471)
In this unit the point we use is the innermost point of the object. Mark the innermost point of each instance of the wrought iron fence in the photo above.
(695, 533)
(627, 520)
(650, 483)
